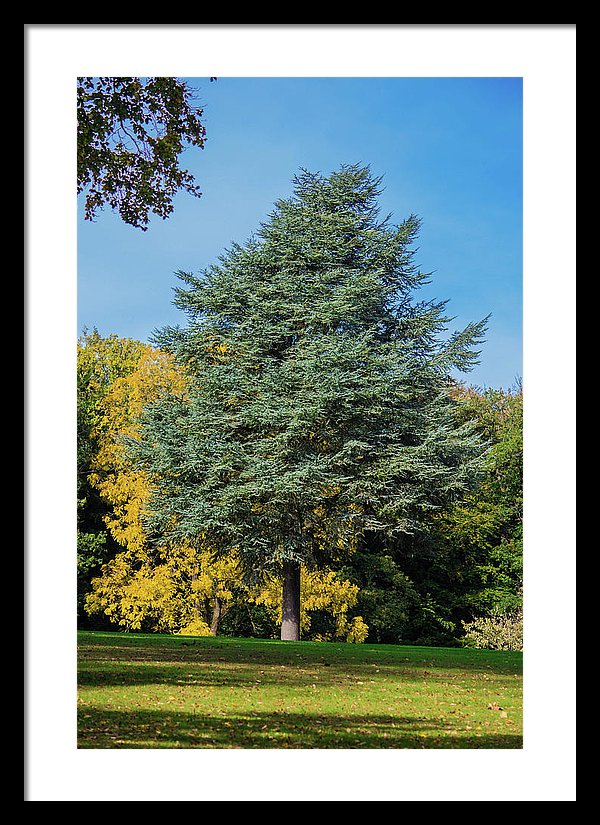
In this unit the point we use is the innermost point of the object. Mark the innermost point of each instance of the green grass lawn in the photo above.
(154, 691)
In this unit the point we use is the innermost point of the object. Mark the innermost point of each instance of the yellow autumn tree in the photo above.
(179, 591)
(168, 590)
(124, 488)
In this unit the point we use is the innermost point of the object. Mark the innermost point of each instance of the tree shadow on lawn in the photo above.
(211, 664)
(233, 674)
(159, 729)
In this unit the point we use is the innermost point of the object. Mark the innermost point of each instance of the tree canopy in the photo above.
(131, 132)
(318, 403)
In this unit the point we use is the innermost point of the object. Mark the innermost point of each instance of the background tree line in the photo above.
(437, 586)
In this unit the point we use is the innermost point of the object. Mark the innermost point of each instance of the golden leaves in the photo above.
(320, 590)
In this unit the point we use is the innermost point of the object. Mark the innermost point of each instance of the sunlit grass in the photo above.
(152, 691)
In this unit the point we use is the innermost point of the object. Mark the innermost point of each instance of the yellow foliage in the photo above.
(103, 360)
(220, 353)
(217, 577)
(196, 627)
(164, 591)
(137, 599)
(357, 630)
(136, 593)
(125, 489)
(319, 590)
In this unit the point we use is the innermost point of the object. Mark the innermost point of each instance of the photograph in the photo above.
(295, 526)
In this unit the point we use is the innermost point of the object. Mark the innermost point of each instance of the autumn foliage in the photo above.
(174, 588)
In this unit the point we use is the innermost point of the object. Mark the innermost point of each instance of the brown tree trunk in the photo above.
(290, 613)
(216, 616)
(200, 606)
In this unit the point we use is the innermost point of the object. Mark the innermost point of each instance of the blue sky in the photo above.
(449, 150)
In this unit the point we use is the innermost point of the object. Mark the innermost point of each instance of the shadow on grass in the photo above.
(121, 673)
(119, 660)
(158, 729)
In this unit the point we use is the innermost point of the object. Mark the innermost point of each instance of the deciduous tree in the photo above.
(131, 132)
(482, 536)
(100, 362)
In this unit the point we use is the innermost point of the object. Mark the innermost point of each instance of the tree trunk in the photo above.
(290, 612)
(216, 616)
(202, 606)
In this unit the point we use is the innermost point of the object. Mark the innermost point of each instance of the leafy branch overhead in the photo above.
(131, 132)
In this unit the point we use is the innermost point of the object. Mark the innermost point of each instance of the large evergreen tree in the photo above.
(318, 404)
